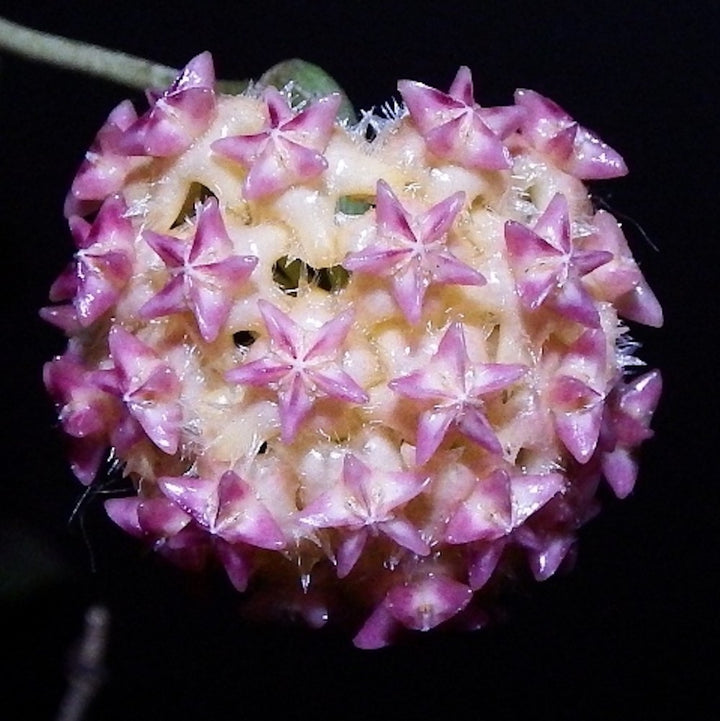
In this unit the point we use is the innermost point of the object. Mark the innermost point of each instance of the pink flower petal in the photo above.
(350, 550)
(295, 403)
(433, 426)
(484, 559)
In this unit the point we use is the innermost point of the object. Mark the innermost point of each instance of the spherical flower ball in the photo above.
(369, 369)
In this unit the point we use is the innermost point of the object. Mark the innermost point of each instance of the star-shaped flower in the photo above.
(367, 501)
(301, 366)
(103, 265)
(620, 281)
(156, 517)
(456, 386)
(626, 425)
(288, 149)
(62, 292)
(103, 170)
(500, 503)
(575, 149)
(174, 535)
(420, 604)
(177, 116)
(84, 410)
(576, 394)
(413, 251)
(548, 269)
(205, 275)
(148, 388)
(225, 507)
(456, 128)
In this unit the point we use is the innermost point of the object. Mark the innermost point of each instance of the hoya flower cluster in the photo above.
(369, 368)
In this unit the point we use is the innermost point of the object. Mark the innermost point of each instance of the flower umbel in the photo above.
(370, 379)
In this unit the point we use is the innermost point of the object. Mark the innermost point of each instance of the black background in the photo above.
(632, 632)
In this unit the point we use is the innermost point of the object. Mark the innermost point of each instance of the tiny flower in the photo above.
(577, 394)
(177, 117)
(499, 503)
(301, 366)
(426, 603)
(412, 250)
(156, 517)
(147, 386)
(84, 411)
(205, 275)
(367, 501)
(620, 281)
(103, 263)
(456, 128)
(629, 410)
(104, 170)
(548, 269)
(419, 604)
(575, 149)
(456, 386)
(226, 508)
(287, 150)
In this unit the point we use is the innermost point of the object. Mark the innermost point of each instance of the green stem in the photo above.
(308, 81)
(111, 65)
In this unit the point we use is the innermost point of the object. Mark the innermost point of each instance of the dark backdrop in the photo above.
(631, 633)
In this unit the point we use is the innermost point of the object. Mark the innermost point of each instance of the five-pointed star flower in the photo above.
(576, 394)
(301, 365)
(626, 425)
(420, 604)
(456, 128)
(205, 276)
(548, 269)
(225, 507)
(103, 265)
(148, 388)
(574, 148)
(156, 517)
(177, 116)
(413, 250)
(103, 170)
(620, 281)
(500, 503)
(85, 411)
(365, 502)
(456, 386)
(288, 149)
